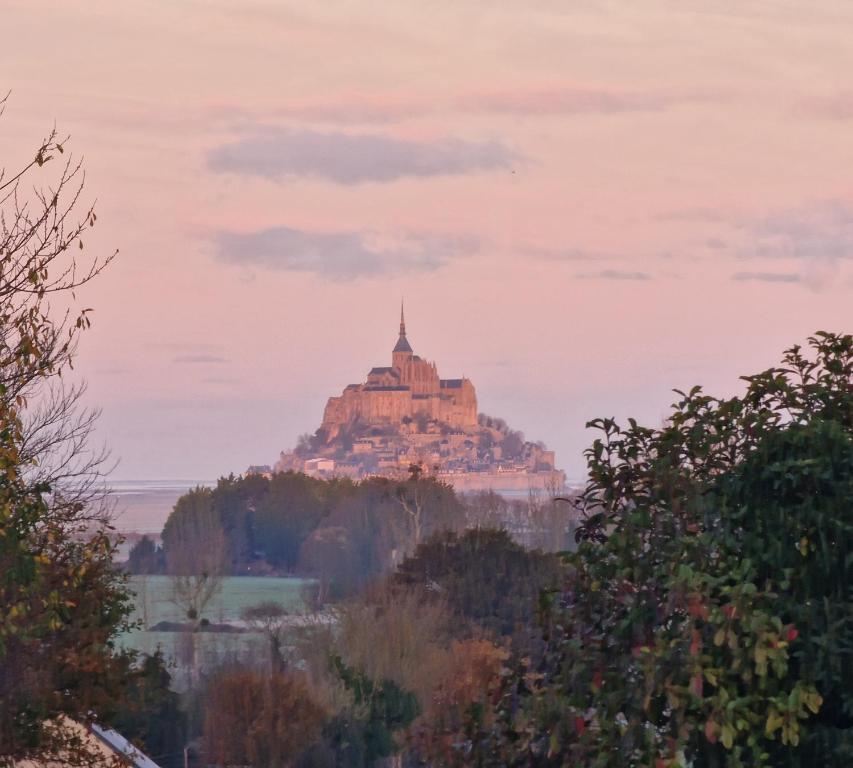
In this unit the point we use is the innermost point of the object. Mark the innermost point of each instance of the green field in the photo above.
(153, 604)
(154, 593)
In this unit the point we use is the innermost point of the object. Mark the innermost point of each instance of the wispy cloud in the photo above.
(818, 237)
(196, 359)
(817, 231)
(614, 274)
(766, 277)
(339, 255)
(695, 214)
(347, 158)
(837, 106)
(576, 100)
(565, 254)
(533, 99)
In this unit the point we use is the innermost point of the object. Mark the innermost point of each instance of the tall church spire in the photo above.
(402, 342)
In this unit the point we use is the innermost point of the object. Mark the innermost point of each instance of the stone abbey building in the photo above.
(409, 388)
(405, 415)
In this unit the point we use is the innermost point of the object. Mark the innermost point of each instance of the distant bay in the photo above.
(142, 506)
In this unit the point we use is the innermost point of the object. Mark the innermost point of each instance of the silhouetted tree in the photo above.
(287, 514)
(235, 500)
(145, 558)
(196, 552)
(270, 618)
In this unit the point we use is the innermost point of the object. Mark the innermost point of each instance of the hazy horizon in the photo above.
(584, 207)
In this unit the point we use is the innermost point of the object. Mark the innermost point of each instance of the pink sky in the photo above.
(585, 204)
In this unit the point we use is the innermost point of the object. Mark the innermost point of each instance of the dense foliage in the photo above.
(150, 713)
(146, 557)
(342, 532)
(258, 719)
(384, 709)
(62, 605)
(485, 577)
(707, 620)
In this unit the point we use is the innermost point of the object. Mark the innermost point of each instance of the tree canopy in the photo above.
(707, 619)
(484, 576)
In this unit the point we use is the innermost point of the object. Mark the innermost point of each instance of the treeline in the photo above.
(409, 657)
(342, 532)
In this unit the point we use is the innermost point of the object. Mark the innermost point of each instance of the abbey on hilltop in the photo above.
(405, 415)
(408, 389)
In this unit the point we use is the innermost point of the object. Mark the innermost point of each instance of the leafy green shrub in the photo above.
(707, 620)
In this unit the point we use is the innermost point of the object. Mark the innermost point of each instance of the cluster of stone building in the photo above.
(405, 414)
(407, 389)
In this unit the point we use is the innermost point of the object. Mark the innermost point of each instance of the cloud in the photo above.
(766, 277)
(818, 237)
(693, 214)
(818, 231)
(536, 99)
(347, 158)
(574, 100)
(566, 254)
(194, 359)
(339, 255)
(613, 274)
(838, 106)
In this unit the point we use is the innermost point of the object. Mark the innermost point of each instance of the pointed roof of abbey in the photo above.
(402, 343)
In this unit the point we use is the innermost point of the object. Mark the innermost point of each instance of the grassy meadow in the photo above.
(153, 604)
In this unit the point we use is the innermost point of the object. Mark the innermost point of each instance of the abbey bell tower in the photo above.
(402, 353)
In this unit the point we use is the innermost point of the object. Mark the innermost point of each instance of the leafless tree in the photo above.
(58, 444)
(411, 500)
(42, 256)
(552, 517)
(486, 509)
(270, 618)
(196, 560)
(47, 452)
